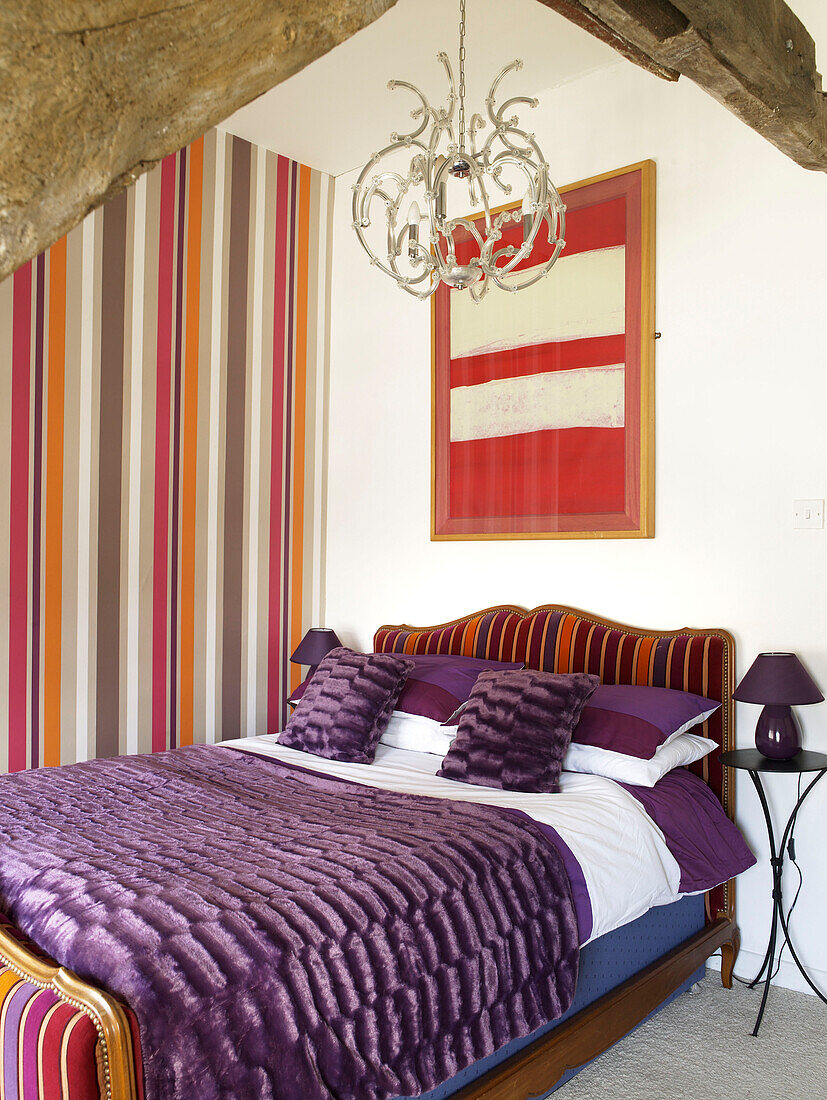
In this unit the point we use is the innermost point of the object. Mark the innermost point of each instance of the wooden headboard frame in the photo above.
(564, 639)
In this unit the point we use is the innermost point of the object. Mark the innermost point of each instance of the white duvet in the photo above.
(622, 852)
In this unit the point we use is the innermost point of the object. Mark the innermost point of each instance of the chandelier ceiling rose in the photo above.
(450, 153)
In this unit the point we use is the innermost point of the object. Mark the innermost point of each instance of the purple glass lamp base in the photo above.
(776, 734)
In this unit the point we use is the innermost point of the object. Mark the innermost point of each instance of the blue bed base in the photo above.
(605, 963)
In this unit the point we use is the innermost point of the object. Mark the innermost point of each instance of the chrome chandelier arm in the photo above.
(534, 275)
(425, 112)
(452, 94)
(496, 116)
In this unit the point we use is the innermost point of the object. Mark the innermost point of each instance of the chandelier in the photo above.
(426, 174)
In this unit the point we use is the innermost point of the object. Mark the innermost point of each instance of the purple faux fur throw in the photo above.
(516, 728)
(285, 935)
(347, 705)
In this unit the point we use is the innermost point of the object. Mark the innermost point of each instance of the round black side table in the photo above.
(754, 762)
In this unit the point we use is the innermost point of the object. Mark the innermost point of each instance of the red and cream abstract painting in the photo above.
(542, 399)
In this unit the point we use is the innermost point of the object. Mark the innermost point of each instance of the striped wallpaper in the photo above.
(162, 388)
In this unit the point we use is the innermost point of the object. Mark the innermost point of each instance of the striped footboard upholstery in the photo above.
(48, 1047)
(562, 639)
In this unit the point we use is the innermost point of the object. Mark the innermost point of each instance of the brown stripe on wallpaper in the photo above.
(234, 461)
(109, 484)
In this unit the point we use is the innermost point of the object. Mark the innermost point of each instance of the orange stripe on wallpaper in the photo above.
(53, 565)
(300, 416)
(189, 442)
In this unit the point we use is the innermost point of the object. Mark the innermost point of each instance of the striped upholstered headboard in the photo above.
(562, 639)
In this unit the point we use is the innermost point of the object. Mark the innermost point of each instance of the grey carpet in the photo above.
(700, 1046)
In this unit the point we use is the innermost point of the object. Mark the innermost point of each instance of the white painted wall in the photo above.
(316, 117)
(741, 406)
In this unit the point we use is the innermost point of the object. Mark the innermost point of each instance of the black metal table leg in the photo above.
(788, 833)
(767, 963)
(777, 862)
(756, 764)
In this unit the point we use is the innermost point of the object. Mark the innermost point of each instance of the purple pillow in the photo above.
(515, 729)
(441, 682)
(438, 684)
(346, 705)
(636, 721)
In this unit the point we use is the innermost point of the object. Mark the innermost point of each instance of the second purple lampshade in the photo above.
(780, 682)
(315, 646)
(778, 679)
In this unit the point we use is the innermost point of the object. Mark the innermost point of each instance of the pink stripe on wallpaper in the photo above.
(53, 508)
(19, 519)
(137, 288)
(288, 451)
(37, 497)
(189, 441)
(275, 633)
(176, 450)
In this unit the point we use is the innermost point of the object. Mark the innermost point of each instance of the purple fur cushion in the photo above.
(516, 728)
(347, 705)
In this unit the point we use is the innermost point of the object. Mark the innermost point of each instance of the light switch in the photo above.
(808, 513)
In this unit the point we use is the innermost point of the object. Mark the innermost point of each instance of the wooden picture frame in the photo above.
(537, 474)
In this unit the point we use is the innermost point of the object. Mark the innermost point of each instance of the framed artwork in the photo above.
(543, 401)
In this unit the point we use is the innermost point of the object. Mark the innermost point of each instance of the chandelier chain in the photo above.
(462, 76)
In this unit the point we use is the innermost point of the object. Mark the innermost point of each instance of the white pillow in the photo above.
(685, 749)
(414, 731)
(696, 721)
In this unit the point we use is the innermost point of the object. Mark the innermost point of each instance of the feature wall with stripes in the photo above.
(162, 397)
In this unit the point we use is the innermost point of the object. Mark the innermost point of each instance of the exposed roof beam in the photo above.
(754, 56)
(94, 92)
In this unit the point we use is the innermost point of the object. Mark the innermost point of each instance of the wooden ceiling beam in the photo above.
(753, 56)
(95, 92)
(612, 35)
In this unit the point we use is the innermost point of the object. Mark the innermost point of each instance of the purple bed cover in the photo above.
(277, 930)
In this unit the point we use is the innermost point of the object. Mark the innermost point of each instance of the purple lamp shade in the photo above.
(314, 646)
(779, 681)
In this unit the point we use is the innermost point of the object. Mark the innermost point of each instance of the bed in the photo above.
(57, 1027)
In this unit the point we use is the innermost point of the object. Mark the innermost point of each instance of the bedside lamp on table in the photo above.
(779, 681)
(314, 646)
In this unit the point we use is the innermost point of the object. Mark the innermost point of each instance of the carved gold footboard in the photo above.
(37, 994)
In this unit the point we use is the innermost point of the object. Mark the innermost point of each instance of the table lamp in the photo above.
(779, 681)
(315, 645)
